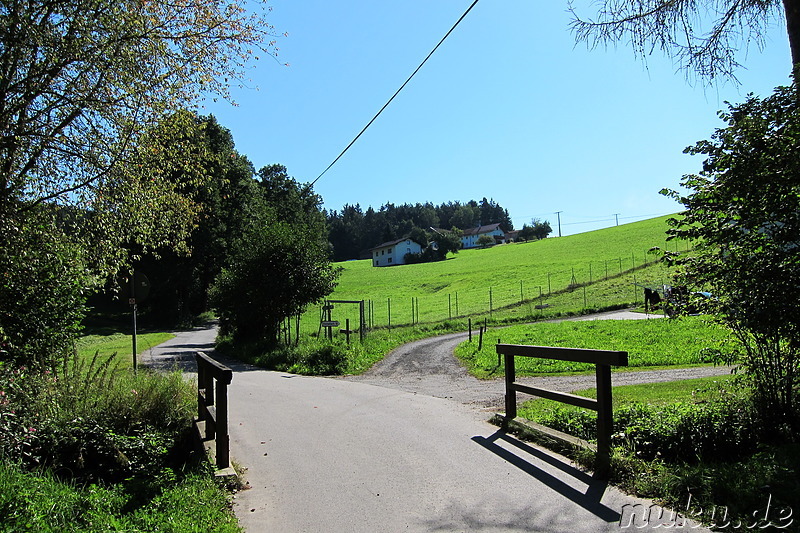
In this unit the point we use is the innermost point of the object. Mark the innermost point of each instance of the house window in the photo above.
(376, 253)
(390, 259)
(383, 252)
(408, 242)
(376, 263)
(408, 250)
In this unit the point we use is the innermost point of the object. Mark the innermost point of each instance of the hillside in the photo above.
(517, 277)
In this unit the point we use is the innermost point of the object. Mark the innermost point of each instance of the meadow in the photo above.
(652, 343)
(551, 277)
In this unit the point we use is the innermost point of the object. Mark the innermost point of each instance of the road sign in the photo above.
(136, 287)
(330, 323)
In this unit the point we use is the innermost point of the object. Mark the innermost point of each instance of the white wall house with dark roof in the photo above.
(469, 238)
(393, 252)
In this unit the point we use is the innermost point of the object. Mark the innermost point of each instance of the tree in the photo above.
(704, 37)
(449, 242)
(221, 185)
(485, 240)
(82, 80)
(537, 230)
(43, 285)
(743, 216)
(541, 229)
(279, 265)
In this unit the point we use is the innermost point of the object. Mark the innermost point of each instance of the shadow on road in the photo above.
(595, 488)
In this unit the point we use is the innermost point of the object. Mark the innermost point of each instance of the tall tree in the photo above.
(705, 37)
(743, 216)
(81, 80)
(220, 183)
(280, 263)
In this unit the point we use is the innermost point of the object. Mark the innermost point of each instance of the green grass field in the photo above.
(120, 344)
(699, 390)
(508, 282)
(650, 343)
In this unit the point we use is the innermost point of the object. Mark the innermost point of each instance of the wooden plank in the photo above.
(214, 368)
(511, 396)
(563, 397)
(603, 357)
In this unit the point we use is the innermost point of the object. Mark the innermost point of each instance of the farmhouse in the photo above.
(470, 237)
(393, 252)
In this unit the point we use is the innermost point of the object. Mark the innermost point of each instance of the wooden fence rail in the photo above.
(213, 379)
(602, 359)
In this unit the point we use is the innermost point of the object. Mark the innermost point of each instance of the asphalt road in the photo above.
(336, 455)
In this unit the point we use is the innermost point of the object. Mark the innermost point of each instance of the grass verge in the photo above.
(650, 343)
(119, 343)
(39, 501)
(694, 446)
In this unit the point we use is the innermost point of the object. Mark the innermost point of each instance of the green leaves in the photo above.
(743, 213)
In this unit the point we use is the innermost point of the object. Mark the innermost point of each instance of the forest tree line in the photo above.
(352, 231)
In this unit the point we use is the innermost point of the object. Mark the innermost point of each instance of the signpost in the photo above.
(328, 323)
(137, 287)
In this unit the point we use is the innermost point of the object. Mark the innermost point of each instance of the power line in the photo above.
(396, 93)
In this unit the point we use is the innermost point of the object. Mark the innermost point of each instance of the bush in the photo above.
(91, 422)
(723, 430)
(42, 291)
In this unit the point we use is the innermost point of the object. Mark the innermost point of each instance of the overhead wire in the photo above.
(463, 16)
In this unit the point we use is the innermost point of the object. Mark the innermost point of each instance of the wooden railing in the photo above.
(602, 359)
(213, 379)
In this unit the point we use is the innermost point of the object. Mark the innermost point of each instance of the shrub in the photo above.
(92, 422)
(722, 430)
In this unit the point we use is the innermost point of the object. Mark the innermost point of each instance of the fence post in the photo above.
(511, 393)
(470, 329)
(389, 303)
(222, 439)
(605, 420)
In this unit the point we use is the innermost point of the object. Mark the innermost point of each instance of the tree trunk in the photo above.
(792, 11)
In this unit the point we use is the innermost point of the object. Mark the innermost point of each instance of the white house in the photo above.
(393, 252)
(469, 238)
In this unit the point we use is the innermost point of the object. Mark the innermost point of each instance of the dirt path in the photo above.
(429, 367)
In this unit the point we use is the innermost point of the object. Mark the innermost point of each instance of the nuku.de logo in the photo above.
(640, 516)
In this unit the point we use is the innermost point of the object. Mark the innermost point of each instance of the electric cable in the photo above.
(396, 93)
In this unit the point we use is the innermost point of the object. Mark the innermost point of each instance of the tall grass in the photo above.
(94, 447)
(40, 502)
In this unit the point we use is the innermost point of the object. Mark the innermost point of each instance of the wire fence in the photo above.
(593, 285)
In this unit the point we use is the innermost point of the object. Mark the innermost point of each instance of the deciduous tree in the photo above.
(704, 37)
(743, 216)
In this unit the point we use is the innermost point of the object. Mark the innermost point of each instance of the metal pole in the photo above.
(135, 351)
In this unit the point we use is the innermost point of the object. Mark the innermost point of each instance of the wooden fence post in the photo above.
(605, 419)
(511, 393)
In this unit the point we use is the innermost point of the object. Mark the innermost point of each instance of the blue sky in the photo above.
(509, 108)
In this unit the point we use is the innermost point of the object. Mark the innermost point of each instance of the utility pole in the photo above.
(558, 213)
(616, 216)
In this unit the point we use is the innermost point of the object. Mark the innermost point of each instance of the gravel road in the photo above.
(429, 367)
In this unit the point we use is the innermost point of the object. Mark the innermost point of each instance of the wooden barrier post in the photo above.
(605, 419)
(213, 379)
(602, 359)
(511, 393)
